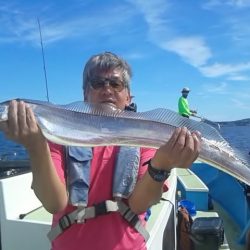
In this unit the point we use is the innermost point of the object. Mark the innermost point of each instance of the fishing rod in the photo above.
(203, 119)
(44, 66)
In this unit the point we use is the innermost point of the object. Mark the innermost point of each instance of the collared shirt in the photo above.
(104, 232)
(183, 106)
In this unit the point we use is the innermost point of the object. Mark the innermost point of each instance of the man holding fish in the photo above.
(99, 195)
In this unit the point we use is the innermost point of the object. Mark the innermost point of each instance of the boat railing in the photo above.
(17, 198)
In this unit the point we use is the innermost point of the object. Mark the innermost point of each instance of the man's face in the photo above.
(108, 87)
(185, 94)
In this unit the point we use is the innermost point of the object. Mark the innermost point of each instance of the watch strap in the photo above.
(158, 175)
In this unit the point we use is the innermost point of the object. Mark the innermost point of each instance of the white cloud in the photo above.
(26, 30)
(231, 3)
(18, 26)
(192, 49)
(155, 13)
(239, 3)
(244, 95)
(238, 78)
(211, 4)
(135, 55)
(240, 104)
(239, 30)
(215, 88)
(219, 69)
(23, 27)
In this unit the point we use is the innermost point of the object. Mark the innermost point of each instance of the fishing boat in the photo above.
(25, 223)
(231, 198)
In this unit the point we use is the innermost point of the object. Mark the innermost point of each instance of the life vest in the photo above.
(78, 161)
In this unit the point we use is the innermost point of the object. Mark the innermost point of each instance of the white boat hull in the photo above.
(29, 233)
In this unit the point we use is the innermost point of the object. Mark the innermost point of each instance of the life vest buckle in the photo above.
(80, 215)
(100, 208)
(65, 222)
(130, 217)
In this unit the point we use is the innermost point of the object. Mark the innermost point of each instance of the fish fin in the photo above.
(92, 108)
(174, 119)
(210, 133)
(158, 115)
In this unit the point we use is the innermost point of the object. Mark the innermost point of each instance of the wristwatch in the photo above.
(158, 175)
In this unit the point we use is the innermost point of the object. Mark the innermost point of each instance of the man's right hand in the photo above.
(22, 127)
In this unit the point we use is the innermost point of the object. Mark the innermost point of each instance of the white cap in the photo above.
(186, 89)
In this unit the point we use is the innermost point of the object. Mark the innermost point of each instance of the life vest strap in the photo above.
(80, 214)
(133, 219)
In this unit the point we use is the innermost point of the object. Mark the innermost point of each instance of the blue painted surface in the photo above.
(199, 197)
(227, 191)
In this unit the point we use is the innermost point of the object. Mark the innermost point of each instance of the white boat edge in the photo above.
(17, 197)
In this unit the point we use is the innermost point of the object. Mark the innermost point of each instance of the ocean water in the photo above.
(10, 150)
(237, 136)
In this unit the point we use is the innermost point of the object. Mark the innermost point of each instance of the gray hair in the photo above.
(106, 61)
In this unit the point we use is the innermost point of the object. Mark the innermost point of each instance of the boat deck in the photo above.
(232, 230)
(39, 214)
(192, 187)
(36, 221)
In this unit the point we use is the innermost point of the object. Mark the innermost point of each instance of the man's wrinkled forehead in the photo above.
(110, 73)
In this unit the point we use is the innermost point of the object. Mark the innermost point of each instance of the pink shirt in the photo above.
(105, 232)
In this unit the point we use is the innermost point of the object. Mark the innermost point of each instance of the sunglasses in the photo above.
(100, 82)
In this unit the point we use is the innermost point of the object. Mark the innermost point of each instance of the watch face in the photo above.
(156, 174)
(160, 177)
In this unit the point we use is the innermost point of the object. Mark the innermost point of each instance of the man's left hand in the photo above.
(180, 151)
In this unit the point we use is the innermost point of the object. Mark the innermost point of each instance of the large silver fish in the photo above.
(84, 124)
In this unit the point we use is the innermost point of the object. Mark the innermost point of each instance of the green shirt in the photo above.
(183, 106)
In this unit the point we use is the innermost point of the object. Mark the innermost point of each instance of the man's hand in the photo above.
(21, 126)
(194, 112)
(180, 151)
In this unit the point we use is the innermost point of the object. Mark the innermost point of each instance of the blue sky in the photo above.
(169, 44)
